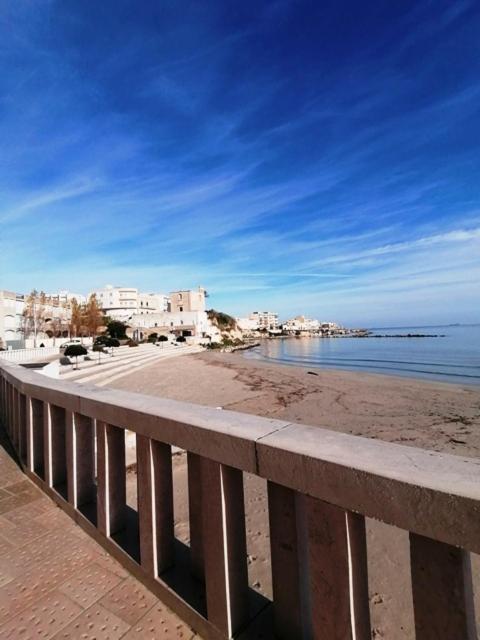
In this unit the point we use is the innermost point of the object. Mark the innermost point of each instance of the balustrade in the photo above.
(321, 486)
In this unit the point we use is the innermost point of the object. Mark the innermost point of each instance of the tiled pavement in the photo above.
(55, 582)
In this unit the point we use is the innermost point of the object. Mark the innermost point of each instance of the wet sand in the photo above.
(437, 416)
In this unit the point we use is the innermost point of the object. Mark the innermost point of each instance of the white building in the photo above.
(181, 323)
(301, 324)
(64, 297)
(50, 320)
(11, 315)
(121, 303)
(265, 320)
(188, 300)
(247, 325)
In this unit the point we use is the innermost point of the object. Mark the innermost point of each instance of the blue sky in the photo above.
(305, 157)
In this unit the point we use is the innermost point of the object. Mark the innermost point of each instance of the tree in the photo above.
(153, 337)
(116, 329)
(75, 350)
(181, 339)
(162, 339)
(34, 314)
(93, 315)
(76, 317)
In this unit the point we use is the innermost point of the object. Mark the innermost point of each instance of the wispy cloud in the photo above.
(297, 172)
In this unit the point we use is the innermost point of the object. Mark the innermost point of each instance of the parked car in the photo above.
(69, 343)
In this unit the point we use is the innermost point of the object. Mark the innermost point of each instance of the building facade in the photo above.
(194, 324)
(265, 320)
(301, 324)
(11, 314)
(188, 300)
(121, 303)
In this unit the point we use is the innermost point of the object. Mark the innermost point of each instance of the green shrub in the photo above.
(181, 339)
(116, 329)
(132, 343)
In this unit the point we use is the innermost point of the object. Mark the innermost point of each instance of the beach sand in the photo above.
(437, 416)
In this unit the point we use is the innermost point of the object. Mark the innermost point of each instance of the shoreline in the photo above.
(441, 416)
(408, 375)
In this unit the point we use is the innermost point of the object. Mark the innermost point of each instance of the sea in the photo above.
(454, 356)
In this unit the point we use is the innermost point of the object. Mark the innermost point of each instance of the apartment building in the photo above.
(301, 324)
(11, 313)
(188, 300)
(265, 320)
(121, 303)
(48, 319)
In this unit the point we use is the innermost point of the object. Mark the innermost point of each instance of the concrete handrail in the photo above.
(310, 471)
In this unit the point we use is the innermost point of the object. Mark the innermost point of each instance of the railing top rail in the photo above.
(429, 493)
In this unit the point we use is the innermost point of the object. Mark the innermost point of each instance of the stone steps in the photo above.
(106, 361)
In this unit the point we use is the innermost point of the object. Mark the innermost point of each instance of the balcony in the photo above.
(321, 486)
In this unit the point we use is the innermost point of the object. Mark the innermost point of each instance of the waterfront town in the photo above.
(46, 319)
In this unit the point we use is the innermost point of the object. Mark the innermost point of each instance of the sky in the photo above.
(318, 158)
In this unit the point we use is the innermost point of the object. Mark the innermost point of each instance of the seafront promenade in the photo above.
(57, 583)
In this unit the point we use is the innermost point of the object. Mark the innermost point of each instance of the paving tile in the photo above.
(130, 600)
(19, 487)
(102, 558)
(24, 532)
(5, 577)
(95, 623)
(38, 581)
(5, 545)
(89, 585)
(43, 619)
(160, 622)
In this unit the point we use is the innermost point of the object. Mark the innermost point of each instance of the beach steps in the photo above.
(123, 362)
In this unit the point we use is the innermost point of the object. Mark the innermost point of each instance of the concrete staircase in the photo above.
(123, 362)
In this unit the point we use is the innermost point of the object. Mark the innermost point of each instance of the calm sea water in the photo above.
(454, 358)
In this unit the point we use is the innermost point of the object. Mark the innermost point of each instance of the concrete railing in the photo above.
(321, 486)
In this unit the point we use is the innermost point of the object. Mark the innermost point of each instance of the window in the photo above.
(181, 308)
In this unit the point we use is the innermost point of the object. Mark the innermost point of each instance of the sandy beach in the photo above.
(437, 416)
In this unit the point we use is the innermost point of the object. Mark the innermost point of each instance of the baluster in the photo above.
(35, 436)
(155, 504)
(54, 445)
(22, 419)
(9, 409)
(80, 444)
(287, 601)
(15, 419)
(111, 484)
(337, 573)
(195, 516)
(224, 541)
(442, 590)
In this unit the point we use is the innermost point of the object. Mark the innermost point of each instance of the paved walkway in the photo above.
(55, 582)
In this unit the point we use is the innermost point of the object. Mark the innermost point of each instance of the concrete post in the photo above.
(155, 504)
(80, 447)
(111, 480)
(35, 436)
(442, 590)
(284, 542)
(195, 516)
(54, 445)
(225, 551)
(22, 426)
